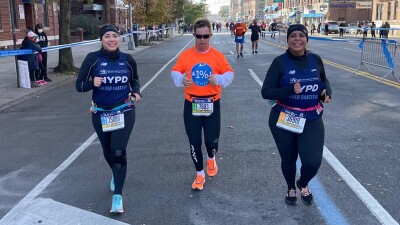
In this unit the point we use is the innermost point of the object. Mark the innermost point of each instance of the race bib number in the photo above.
(200, 74)
(202, 106)
(239, 37)
(291, 121)
(112, 121)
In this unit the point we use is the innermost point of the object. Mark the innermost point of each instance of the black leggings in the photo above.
(194, 125)
(308, 145)
(114, 146)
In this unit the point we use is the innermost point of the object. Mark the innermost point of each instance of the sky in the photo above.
(215, 5)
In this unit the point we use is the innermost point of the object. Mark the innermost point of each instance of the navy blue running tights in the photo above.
(308, 145)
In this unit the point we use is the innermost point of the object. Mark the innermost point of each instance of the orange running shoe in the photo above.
(198, 183)
(212, 167)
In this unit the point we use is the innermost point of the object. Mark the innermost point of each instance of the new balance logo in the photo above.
(103, 64)
(292, 72)
(121, 64)
(313, 70)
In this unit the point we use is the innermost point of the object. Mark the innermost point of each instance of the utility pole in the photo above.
(12, 13)
(130, 43)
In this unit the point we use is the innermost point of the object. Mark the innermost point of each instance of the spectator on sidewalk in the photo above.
(373, 26)
(43, 42)
(326, 28)
(341, 28)
(29, 42)
(365, 29)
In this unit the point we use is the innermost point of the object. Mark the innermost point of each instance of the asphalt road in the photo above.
(362, 133)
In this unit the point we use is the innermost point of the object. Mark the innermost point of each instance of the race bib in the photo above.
(200, 74)
(239, 37)
(291, 121)
(202, 106)
(112, 121)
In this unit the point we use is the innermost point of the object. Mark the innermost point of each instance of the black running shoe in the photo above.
(306, 195)
(241, 54)
(253, 52)
(238, 56)
(256, 52)
(291, 198)
(47, 79)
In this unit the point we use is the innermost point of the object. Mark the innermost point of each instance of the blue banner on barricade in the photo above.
(387, 53)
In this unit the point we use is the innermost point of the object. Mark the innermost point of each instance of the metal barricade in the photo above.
(282, 40)
(380, 53)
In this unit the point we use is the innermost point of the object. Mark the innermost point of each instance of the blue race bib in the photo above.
(200, 74)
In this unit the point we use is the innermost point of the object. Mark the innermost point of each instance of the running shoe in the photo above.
(212, 167)
(252, 52)
(117, 206)
(198, 183)
(291, 198)
(238, 56)
(47, 79)
(306, 196)
(256, 52)
(112, 184)
(241, 55)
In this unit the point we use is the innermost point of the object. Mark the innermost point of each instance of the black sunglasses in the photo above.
(204, 36)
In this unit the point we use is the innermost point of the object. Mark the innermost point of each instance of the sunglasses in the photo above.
(204, 36)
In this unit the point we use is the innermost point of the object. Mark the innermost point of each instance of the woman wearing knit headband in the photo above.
(112, 75)
(297, 83)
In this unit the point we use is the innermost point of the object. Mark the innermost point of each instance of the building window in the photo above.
(389, 10)
(45, 14)
(14, 13)
(379, 12)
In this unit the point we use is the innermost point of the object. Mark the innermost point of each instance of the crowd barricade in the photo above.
(282, 40)
(380, 53)
(280, 37)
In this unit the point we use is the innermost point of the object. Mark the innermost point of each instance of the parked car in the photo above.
(352, 28)
(333, 27)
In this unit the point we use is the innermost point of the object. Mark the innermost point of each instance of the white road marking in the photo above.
(48, 211)
(16, 210)
(352, 50)
(231, 52)
(372, 204)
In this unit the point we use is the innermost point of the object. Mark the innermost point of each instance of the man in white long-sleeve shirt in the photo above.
(202, 71)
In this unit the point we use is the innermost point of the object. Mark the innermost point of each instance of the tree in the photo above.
(65, 59)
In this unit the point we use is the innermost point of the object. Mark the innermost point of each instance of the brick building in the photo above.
(26, 14)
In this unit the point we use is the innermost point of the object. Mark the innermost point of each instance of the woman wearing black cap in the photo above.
(112, 75)
(297, 83)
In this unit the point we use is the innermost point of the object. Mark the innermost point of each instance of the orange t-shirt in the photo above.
(240, 28)
(198, 67)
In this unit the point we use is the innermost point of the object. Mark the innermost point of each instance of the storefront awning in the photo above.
(273, 7)
(313, 15)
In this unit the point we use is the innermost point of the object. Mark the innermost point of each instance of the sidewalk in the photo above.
(11, 95)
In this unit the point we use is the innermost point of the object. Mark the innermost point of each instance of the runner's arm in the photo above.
(134, 82)
(84, 82)
(270, 89)
(224, 79)
(178, 78)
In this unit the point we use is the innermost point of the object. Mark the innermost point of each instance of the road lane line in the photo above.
(352, 50)
(7, 219)
(372, 204)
